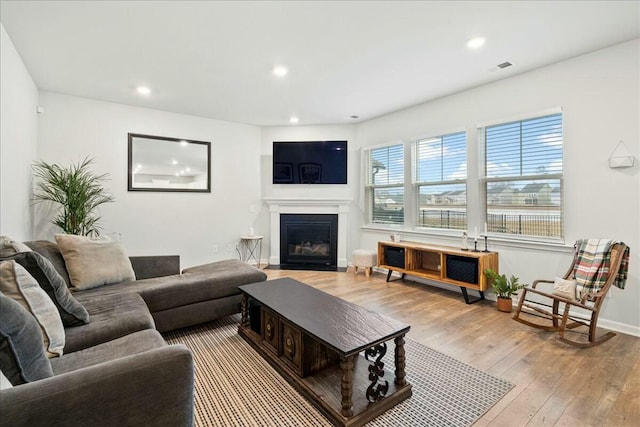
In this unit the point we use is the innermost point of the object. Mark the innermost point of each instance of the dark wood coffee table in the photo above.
(314, 340)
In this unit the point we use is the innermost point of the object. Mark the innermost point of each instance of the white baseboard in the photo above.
(623, 328)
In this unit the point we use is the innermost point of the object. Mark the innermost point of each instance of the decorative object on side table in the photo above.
(76, 190)
(465, 241)
(475, 240)
(503, 288)
(486, 249)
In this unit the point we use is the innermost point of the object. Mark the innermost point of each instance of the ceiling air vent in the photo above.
(505, 64)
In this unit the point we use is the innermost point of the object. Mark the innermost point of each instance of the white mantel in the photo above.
(299, 205)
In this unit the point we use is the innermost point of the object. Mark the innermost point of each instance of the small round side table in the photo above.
(250, 249)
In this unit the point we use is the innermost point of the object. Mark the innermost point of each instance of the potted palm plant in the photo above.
(504, 289)
(76, 190)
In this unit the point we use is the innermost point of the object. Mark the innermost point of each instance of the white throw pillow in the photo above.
(94, 262)
(4, 382)
(8, 246)
(18, 284)
(564, 288)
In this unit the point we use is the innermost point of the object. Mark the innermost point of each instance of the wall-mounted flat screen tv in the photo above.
(310, 162)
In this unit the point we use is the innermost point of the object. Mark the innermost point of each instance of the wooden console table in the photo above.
(440, 263)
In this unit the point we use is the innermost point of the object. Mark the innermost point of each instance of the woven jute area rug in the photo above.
(236, 387)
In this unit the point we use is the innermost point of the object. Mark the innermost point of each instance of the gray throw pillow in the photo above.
(22, 357)
(18, 284)
(71, 311)
(50, 251)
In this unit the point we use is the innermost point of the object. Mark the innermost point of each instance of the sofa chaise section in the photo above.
(200, 294)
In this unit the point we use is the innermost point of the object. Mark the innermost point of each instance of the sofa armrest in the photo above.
(147, 267)
(150, 388)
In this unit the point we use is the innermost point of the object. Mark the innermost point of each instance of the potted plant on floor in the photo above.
(503, 288)
(76, 190)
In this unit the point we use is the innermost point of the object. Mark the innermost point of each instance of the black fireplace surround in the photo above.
(309, 241)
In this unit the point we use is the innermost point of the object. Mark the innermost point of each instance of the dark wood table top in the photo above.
(345, 327)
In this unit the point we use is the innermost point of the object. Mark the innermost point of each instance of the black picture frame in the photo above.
(310, 173)
(282, 173)
(141, 149)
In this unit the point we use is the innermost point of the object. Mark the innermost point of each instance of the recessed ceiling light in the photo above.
(294, 119)
(280, 70)
(476, 42)
(174, 162)
(183, 143)
(143, 90)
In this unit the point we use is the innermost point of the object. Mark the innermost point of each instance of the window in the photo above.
(523, 167)
(441, 174)
(385, 184)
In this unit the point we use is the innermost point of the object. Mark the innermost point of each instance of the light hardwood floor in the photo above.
(555, 384)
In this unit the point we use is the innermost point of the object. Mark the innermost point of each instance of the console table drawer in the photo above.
(291, 345)
(270, 329)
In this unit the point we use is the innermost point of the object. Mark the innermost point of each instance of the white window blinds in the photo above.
(385, 188)
(441, 172)
(524, 165)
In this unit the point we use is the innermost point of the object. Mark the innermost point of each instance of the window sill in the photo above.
(495, 241)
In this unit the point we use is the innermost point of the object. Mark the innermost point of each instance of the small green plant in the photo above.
(502, 286)
(76, 190)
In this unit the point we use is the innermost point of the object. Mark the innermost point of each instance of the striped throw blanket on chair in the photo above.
(592, 265)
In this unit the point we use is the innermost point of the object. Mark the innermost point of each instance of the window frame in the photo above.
(417, 184)
(485, 180)
(370, 187)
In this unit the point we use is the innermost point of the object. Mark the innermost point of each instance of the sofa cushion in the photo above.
(203, 283)
(128, 345)
(71, 311)
(112, 316)
(50, 251)
(146, 267)
(94, 262)
(22, 356)
(17, 283)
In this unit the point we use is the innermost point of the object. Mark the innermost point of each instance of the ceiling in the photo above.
(362, 58)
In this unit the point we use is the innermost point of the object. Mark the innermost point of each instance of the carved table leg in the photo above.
(244, 309)
(400, 361)
(346, 364)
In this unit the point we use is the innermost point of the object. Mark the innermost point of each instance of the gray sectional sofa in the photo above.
(117, 369)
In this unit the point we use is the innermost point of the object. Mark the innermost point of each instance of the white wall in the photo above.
(320, 191)
(18, 141)
(187, 224)
(600, 99)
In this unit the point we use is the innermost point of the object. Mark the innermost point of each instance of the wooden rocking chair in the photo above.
(567, 321)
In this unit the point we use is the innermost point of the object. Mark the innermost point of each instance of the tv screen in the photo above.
(310, 162)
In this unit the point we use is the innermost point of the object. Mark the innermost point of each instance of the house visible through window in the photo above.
(441, 174)
(385, 184)
(524, 177)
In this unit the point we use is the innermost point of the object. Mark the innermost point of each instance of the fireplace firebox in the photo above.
(309, 241)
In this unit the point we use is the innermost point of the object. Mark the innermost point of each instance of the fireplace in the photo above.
(309, 241)
(307, 205)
